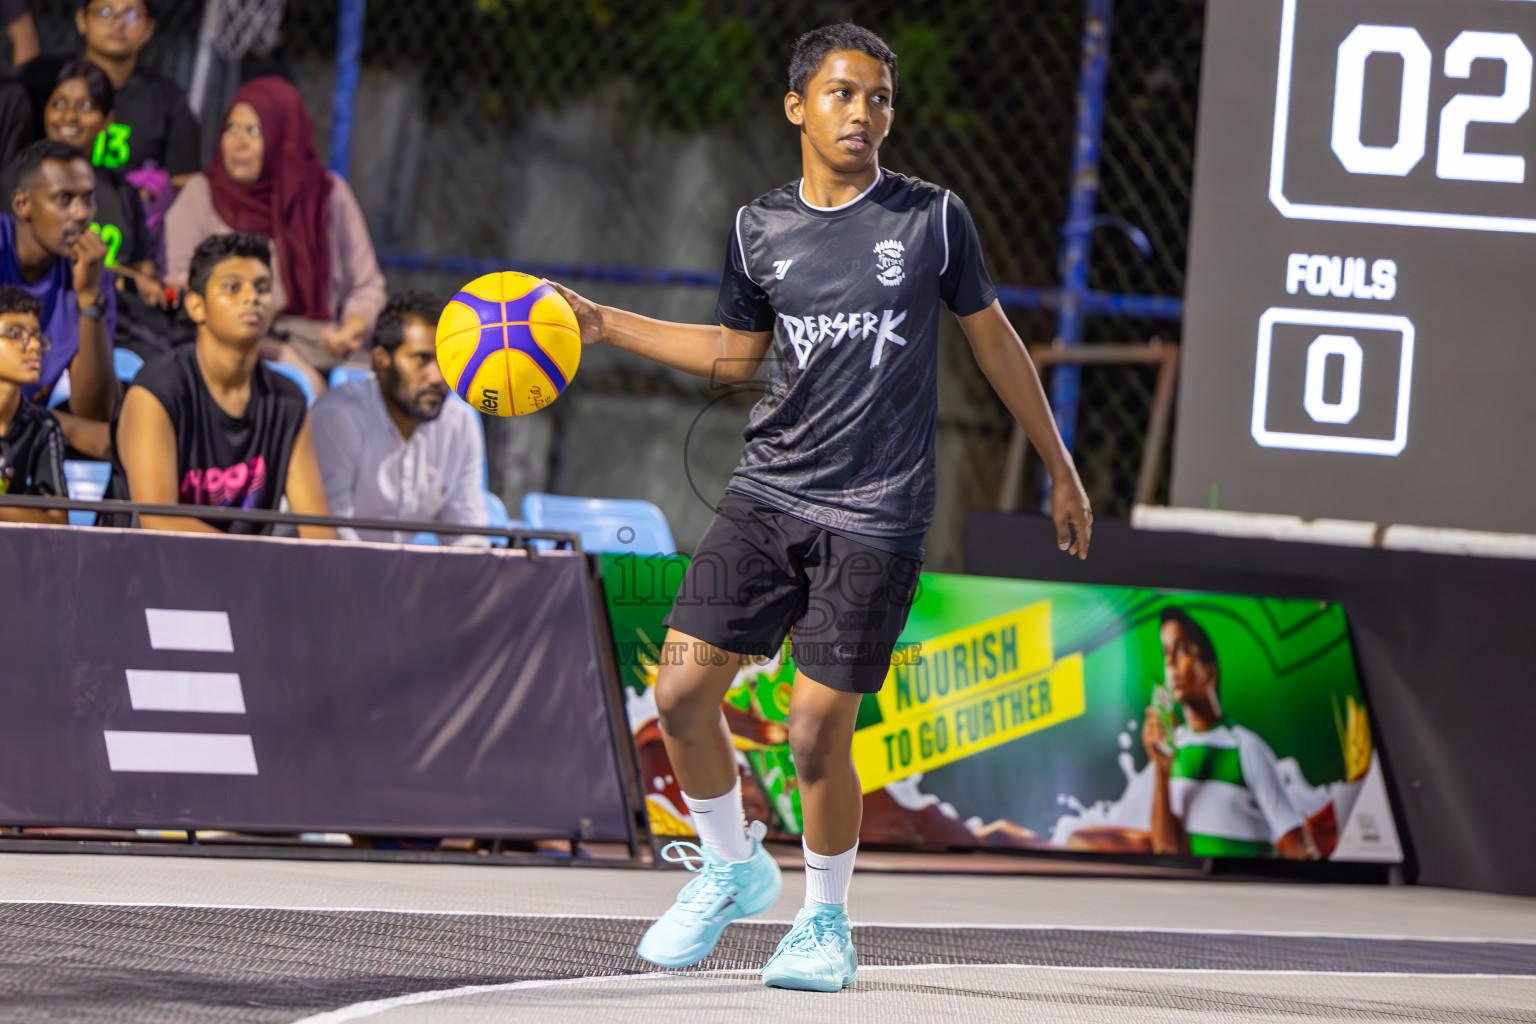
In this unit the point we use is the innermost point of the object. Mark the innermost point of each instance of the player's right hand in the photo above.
(89, 256)
(1154, 739)
(589, 315)
(1072, 514)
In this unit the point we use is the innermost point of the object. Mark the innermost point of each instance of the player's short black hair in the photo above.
(812, 48)
(96, 81)
(16, 299)
(149, 7)
(215, 249)
(1194, 631)
(31, 159)
(390, 332)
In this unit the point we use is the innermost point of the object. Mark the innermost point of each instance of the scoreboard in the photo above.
(1360, 319)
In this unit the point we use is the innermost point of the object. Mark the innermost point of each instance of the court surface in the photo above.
(139, 938)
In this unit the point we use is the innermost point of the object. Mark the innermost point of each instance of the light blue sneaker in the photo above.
(719, 894)
(817, 955)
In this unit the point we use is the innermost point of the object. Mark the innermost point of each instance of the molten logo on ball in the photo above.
(508, 344)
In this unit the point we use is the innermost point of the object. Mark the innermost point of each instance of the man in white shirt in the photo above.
(396, 446)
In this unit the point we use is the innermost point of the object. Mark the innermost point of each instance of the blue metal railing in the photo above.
(1151, 307)
(349, 55)
(1081, 207)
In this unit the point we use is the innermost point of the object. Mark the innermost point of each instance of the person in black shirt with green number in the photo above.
(78, 111)
(836, 280)
(31, 443)
(153, 121)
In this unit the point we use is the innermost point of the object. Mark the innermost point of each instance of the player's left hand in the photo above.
(1072, 514)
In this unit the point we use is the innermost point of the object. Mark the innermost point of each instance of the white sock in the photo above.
(827, 878)
(722, 824)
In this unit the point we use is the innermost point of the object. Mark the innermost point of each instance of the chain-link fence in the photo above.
(624, 135)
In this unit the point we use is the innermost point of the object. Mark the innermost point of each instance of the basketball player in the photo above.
(836, 279)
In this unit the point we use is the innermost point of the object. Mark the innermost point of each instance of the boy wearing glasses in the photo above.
(151, 118)
(31, 444)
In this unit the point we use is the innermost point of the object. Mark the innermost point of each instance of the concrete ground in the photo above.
(95, 937)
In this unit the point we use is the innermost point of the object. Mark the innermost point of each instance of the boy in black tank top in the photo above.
(209, 424)
(837, 280)
(31, 443)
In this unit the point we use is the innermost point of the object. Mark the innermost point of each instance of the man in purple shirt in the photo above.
(48, 248)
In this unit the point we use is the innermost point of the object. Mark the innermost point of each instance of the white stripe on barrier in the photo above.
(209, 692)
(173, 629)
(181, 753)
(1435, 540)
(1260, 525)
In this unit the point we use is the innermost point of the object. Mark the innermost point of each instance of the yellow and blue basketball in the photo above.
(508, 344)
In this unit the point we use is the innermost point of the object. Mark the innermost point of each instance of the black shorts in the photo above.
(760, 573)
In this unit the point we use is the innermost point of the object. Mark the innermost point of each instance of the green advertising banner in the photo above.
(1066, 716)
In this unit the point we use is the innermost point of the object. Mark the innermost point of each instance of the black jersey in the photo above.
(32, 454)
(221, 459)
(150, 118)
(844, 434)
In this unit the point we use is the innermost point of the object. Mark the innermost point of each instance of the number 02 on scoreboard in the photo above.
(1406, 112)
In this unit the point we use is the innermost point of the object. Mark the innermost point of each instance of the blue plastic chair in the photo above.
(86, 481)
(496, 511)
(347, 374)
(615, 525)
(60, 393)
(126, 364)
(496, 515)
(296, 375)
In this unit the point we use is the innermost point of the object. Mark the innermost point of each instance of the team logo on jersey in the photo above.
(780, 268)
(891, 261)
(804, 332)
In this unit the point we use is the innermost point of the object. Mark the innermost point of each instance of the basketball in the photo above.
(508, 344)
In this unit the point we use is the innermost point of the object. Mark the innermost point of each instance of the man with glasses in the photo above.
(151, 120)
(31, 444)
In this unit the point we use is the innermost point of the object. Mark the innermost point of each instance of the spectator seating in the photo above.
(605, 524)
(496, 515)
(347, 374)
(125, 363)
(86, 481)
(296, 375)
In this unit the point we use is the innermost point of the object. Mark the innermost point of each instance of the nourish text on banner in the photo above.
(968, 691)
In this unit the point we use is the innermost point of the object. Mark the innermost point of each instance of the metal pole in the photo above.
(349, 51)
(212, 13)
(1078, 231)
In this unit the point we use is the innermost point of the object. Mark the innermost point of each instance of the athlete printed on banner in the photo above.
(1218, 789)
(833, 286)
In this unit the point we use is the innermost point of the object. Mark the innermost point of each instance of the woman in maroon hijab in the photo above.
(265, 179)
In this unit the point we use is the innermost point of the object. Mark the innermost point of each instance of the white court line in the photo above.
(917, 926)
(373, 1007)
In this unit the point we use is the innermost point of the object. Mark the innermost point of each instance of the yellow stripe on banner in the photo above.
(952, 665)
(927, 737)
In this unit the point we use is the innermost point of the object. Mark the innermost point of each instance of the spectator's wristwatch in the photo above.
(96, 310)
